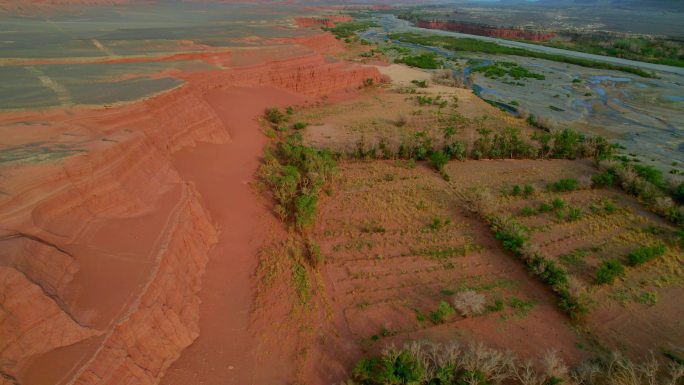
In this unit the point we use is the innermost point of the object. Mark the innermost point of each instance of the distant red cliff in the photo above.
(484, 30)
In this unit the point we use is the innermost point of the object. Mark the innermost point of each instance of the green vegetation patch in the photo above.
(645, 254)
(427, 60)
(476, 45)
(513, 70)
(349, 29)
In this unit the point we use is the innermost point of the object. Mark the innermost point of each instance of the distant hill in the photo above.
(668, 5)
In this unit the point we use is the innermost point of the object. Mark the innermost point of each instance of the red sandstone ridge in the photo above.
(328, 21)
(103, 253)
(484, 30)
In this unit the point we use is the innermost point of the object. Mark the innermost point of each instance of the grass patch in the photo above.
(645, 254)
(608, 271)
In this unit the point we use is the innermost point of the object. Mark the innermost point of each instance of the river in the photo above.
(393, 24)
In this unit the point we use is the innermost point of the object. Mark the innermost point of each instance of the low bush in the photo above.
(609, 270)
(299, 125)
(469, 303)
(521, 307)
(442, 314)
(678, 193)
(603, 179)
(439, 159)
(455, 150)
(558, 203)
(528, 190)
(545, 208)
(313, 252)
(645, 254)
(650, 174)
(512, 234)
(563, 185)
(274, 115)
(438, 224)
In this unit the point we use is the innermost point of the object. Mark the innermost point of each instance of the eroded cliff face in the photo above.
(102, 254)
(484, 30)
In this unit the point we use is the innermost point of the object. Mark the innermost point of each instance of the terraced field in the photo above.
(398, 243)
(581, 231)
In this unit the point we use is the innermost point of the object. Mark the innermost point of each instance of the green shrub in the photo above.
(512, 234)
(605, 178)
(305, 205)
(528, 190)
(558, 203)
(645, 254)
(521, 307)
(301, 282)
(545, 208)
(516, 190)
(678, 193)
(563, 185)
(443, 312)
(497, 306)
(573, 214)
(456, 150)
(439, 159)
(548, 271)
(299, 125)
(650, 174)
(392, 368)
(438, 224)
(274, 115)
(609, 270)
(506, 143)
(567, 144)
(528, 211)
(314, 253)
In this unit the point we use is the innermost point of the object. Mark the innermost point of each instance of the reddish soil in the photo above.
(226, 350)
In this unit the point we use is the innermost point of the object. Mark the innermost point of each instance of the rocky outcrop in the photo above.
(31, 323)
(485, 30)
(50, 212)
(164, 319)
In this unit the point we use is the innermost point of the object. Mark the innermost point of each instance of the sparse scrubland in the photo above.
(523, 223)
(424, 363)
